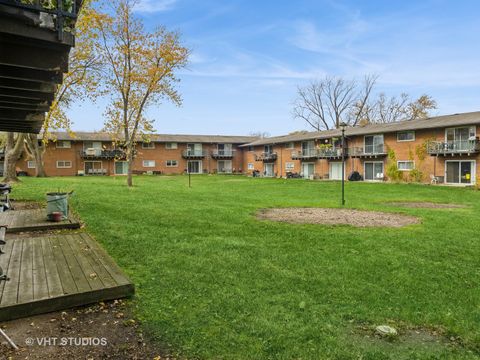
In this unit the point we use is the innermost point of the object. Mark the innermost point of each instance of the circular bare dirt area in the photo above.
(327, 216)
(425, 205)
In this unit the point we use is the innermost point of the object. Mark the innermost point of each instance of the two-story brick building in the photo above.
(94, 153)
(443, 149)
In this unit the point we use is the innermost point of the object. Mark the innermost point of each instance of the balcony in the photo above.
(266, 156)
(194, 154)
(331, 153)
(98, 154)
(369, 151)
(452, 148)
(35, 40)
(223, 154)
(305, 154)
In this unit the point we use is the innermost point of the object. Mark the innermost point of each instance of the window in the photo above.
(289, 166)
(148, 145)
(172, 163)
(63, 144)
(121, 168)
(170, 145)
(224, 166)
(289, 145)
(148, 163)
(250, 148)
(405, 165)
(250, 166)
(64, 164)
(406, 136)
(31, 164)
(374, 144)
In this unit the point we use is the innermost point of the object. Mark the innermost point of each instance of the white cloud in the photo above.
(149, 6)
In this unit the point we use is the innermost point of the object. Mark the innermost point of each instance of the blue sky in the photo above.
(248, 57)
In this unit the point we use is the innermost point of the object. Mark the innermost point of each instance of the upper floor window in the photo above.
(148, 145)
(63, 144)
(406, 136)
(250, 148)
(460, 134)
(92, 145)
(289, 145)
(268, 149)
(171, 145)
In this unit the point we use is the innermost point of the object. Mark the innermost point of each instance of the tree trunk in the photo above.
(130, 164)
(37, 152)
(13, 152)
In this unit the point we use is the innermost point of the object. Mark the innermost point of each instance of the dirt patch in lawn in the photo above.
(425, 205)
(331, 216)
(102, 331)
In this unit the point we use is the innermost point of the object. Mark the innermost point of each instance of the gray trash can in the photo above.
(57, 202)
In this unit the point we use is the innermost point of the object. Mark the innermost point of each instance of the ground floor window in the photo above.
(373, 171)
(250, 166)
(405, 165)
(93, 167)
(149, 163)
(289, 166)
(460, 172)
(172, 163)
(31, 164)
(121, 168)
(194, 167)
(64, 164)
(224, 166)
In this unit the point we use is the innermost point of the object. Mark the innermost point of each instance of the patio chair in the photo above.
(433, 179)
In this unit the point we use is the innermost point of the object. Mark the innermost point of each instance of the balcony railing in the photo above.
(62, 13)
(305, 154)
(453, 147)
(102, 154)
(368, 151)
(266, 156)
(191, 154)
(322, 153)
(222, 154)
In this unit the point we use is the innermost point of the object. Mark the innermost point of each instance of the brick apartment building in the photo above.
(443, 148)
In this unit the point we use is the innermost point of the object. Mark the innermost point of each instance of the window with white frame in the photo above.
(406, 136)
(148, 163)
(405, 165)
(172, 163)
(63, 144)
(148, 145)
(64, 164)
(31, 164)
(171, 145)
(250, 166)
(289, 166)
(289, 145)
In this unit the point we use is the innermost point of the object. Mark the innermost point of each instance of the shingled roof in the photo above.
(471, 118)
(103, 136)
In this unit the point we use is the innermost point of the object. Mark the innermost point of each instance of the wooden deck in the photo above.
(52, 273)
(34, 220)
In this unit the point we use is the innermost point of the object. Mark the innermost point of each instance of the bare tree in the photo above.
(324, 104)
(386, 110)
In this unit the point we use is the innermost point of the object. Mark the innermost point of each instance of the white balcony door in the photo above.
(195, 167)
(308, 148)
(373, 171)
(308, 169)
(268, 169)
(194, 149)
(335, 171)
(460, 138)
(460, 172)
(224, 149)
(373, 144)
(224, 166)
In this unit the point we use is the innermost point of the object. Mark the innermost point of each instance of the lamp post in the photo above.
(343, 126)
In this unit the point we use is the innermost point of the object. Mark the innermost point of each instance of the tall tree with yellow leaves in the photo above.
(80, 82)
(139, 71)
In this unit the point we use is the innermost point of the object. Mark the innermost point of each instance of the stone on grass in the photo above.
(385, 330)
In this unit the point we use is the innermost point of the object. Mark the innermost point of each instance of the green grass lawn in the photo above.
(214, 282)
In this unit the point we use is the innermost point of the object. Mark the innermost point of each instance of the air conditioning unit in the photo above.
(91, 151)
